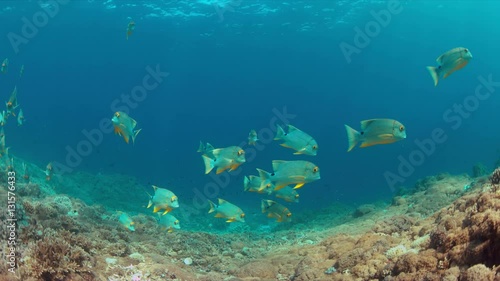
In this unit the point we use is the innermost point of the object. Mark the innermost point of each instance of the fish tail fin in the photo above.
(264, 176)
(201, 148)
(352, 137)
(209, 163)
(280, 133)
(246, 183)
(136, 132)
(434, 71)
(212, 207)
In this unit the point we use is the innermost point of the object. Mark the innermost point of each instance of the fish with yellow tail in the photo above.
(130, 28)
(295, 173)
(253, 184)
(169, 222)
(276, 210)
(49, 172)
(12, 104)
(297, 140)
(228, 158)
(5, 66)
(126, 221)
(252, 137)
(375, 131)
(124, 126)
(163, 199)
(449, 62)
(227, 210)
(288, 194)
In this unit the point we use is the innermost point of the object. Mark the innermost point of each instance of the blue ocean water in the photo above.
(231, 65)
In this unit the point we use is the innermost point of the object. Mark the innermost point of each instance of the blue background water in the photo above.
(227, 77)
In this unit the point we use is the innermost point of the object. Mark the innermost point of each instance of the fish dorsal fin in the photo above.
(209, 147)
(221, 201)
(277, 164)
(366, 123)
(292, 128)
(439, 60)
(155, 187)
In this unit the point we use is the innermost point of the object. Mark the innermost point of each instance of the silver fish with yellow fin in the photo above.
(130, 28)
(449, 62)
(126, 221)
(12, 104)
(20, 118)
(376, 131)
(124, 126)
(252, 137)
(276, 210)
(169, 222)
(163, 199)
(254, 183)
(288, 194)
(297, 140)
(227, 210)
(286, 173)
(229, 158)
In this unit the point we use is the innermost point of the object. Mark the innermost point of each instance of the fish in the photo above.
(130, 28)
(298, 140)
(12, 103)
(227, 210)
(169, 222)
(285, 173)
(288, 194)
(206, 149)
(229, 158)
(252, 137)
(124, 126)
(163, 199)
(5, 66)
(26, 175)
(21, 72)
(276, 210)
(49, 172)
(376, 131)
(253, 184)
(3, 118)
(126, 221)
(449, 62)
(20, 117)
(3, 149)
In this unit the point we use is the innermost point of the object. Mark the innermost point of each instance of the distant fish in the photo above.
(254, 183)
(49, 172)
(286, 173)
(288, 194)
(12, 104)
(130, 28)
(4, 151)
(26, 175)
(169, 222)
(297, 140)
(3, 118)
(375, 131)
(227, 210)
(20, 118)
(163, 199)
(126, 221)
(449, 62)
(5, 66)
(229, 158)
(252, 137)
(21, 72)
(124, 126)
(276, 210)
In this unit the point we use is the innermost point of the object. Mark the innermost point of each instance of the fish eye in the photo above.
(268, 185)
(176, 222)
(173, 198)
(315, 147)
(466, 50)
(297, 196)
(289, 214)
(117, 114)
(241, 152)
(401, 128)
(315, 169)
(242, 215)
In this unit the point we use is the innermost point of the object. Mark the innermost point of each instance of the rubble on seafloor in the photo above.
(447, 228)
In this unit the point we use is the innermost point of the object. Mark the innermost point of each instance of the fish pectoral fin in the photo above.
(156, 209)
(219, 215)
(234, 167)
(166, 211)
(280, 186)
(221, 170)
(386, 136)
(231, 220)
(285, 145)
(170, 230)
(300, 151)
(299, 185)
